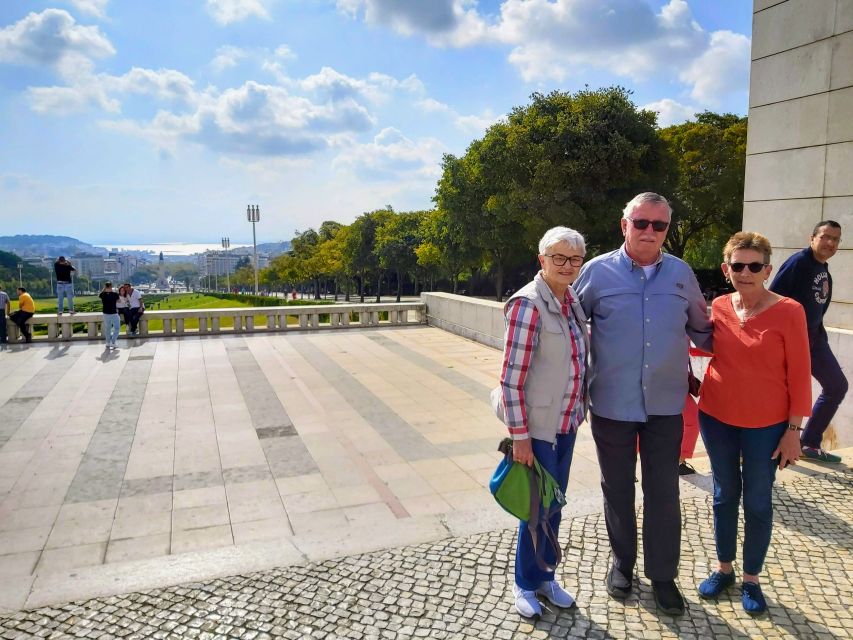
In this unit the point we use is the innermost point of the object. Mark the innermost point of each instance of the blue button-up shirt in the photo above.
(640, 327)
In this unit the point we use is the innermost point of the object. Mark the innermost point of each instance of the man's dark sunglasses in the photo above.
(559, 259)
(755, 267)
(657, 225)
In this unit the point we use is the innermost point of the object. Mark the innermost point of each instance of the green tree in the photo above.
(396, 240)
(706, 160)
(185, 272)
(570, 159)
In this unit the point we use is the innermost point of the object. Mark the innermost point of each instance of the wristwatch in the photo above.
(794, 427)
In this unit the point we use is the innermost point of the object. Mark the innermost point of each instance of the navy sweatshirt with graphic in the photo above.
(807, 281)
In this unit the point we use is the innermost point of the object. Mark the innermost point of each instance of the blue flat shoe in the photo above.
(753, 600)
(716, 583)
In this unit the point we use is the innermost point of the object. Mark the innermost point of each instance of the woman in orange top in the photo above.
(753, 399)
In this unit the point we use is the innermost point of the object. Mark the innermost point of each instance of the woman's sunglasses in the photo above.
(657, 225)
(755, 267)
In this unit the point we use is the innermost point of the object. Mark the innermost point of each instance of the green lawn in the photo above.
(48, 305)
(194, 301)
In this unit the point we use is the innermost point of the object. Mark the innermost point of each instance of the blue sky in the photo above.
(159, 121)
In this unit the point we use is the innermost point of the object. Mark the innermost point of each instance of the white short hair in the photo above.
(559, 234)
(645, 198)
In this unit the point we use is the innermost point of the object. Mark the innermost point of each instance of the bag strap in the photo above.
(540, 521)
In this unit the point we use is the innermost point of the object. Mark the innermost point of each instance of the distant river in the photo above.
(173, 248)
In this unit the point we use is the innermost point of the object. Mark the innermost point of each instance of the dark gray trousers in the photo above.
(660, 444)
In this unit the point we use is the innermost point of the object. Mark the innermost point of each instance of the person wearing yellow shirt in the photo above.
(26, 310)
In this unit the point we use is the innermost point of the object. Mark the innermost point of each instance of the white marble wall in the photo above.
(472, 318)
(799, 166)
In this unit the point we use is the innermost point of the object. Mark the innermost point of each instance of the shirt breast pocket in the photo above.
(615, 301)
(670, 308)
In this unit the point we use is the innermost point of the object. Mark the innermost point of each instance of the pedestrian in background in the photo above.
(122, 304)
(109, 300)
(135, 309)
(26, 310)
(64, 287)
(805, 278)
(5, 310)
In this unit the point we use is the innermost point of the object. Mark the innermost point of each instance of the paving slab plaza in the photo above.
(332, 485)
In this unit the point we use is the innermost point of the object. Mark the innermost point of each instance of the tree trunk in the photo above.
(455, 278)
(361, 286)
(349, 286)
(399, 284)
(499, 284)
(379, 288)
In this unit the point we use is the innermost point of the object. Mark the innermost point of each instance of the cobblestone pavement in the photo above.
(458, 588)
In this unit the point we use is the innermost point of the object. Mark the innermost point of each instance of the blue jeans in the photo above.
(111, 328)
(555, 458)
(725, 445)
(828, 373)
(64, 290)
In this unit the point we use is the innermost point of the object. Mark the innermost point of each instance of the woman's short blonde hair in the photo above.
(747, 240)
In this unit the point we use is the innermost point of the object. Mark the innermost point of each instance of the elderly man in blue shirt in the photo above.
(642, 305)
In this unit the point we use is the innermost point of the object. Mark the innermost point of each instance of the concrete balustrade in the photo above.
(243, 320)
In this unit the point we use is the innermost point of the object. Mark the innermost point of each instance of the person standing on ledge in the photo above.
(642, 305)
(64, 287)
(805, 278)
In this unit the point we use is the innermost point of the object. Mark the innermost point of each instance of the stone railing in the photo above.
(189, 322)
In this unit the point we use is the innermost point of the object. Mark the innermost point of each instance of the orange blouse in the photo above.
(760, 373)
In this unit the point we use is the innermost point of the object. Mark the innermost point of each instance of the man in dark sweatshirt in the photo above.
(64, 287)
(805, 278)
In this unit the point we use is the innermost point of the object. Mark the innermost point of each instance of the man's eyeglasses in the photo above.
(755, 267)
(559, 259)
(657, 225)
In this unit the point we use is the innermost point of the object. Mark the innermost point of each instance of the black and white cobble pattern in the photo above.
(459, 588)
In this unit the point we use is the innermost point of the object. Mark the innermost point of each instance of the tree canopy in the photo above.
(570, 159)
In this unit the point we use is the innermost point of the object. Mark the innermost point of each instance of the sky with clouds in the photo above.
(159, 121)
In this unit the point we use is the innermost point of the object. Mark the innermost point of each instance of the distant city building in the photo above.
(116, 266)
(219, 263)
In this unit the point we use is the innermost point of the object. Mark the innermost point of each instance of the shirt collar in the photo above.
(629, 262)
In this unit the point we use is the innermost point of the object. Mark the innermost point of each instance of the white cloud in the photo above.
(444, 22)
(227, 11)
(671, 112)
(255, 119)
(95, 8)
(377, 87)
(473, 124)
(722, 69)
(227, 57)
(393, 156)
(51, 38)
(551, 40)
(67, 100)
(87, 89)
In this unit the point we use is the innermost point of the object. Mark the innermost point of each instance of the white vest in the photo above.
(551, 371)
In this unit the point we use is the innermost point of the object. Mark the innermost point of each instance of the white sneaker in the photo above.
(526, 603)
(556, 595)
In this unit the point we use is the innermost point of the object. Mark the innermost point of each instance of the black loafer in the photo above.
(618, 585)
(667, 597)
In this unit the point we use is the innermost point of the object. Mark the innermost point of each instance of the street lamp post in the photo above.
(20, 274)
(253, 214)
(226, 244)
